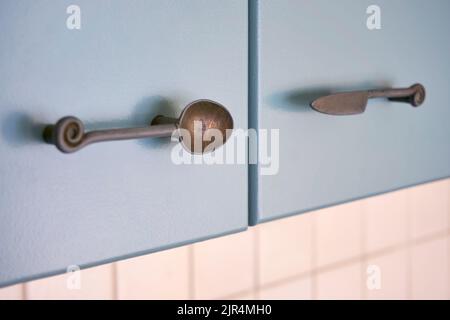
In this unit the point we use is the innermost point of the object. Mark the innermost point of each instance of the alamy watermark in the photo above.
(373, 21)
(239, 146)
(73, 21)
(373, 281)
(73, 280)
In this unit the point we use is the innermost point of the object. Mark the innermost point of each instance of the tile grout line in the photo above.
(115, 281)
(257, 264)
(24, 291)
(312, 272)
(409, 239)
(191, 272)
(429, 237)
(363, 247)
(448, 266)
(235, 295)
(287, 280)
(448, 239)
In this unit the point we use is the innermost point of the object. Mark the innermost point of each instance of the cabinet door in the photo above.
(127, 62)
(306, 49)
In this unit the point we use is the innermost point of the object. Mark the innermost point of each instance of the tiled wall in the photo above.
(325, 254)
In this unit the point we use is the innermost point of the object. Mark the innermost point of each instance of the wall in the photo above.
(318, 255)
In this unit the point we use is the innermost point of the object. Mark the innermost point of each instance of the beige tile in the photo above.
(93, 283)
(340, 283)
(12, 292)
(429, 264)
(338, 233)
(448, 186)
(386, 276)
(285, 248)
(429, 207)
(292, 290)
(386, 220)
(224, 266)
(161, 275)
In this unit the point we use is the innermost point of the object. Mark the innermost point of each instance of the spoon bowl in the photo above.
(206, 120)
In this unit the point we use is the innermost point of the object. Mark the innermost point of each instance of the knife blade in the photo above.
(345, 103)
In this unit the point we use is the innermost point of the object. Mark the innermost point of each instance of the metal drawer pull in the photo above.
(355, 102)
(68, 133)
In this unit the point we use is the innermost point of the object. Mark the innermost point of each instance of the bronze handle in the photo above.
(347, 103)
(68, 133)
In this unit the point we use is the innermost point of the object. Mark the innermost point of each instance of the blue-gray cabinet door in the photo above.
(127, 62)
(302, 49)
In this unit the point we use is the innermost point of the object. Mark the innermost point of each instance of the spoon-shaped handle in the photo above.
(68, 134)
(198, 119)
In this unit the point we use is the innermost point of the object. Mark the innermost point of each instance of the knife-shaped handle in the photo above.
(355, 102)
(414, 95)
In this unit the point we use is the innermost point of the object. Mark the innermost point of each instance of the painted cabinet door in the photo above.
(302, 50)
(127, 62)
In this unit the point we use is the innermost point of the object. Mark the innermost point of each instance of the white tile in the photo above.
(161, 275)
(285, 248)
(292, 290)
(386, 220)
(224, 266)
(429, 208)
(338, 233)
(12, 292)
(386, 276)
(340, 283)
(93, 283)
(429, 264)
